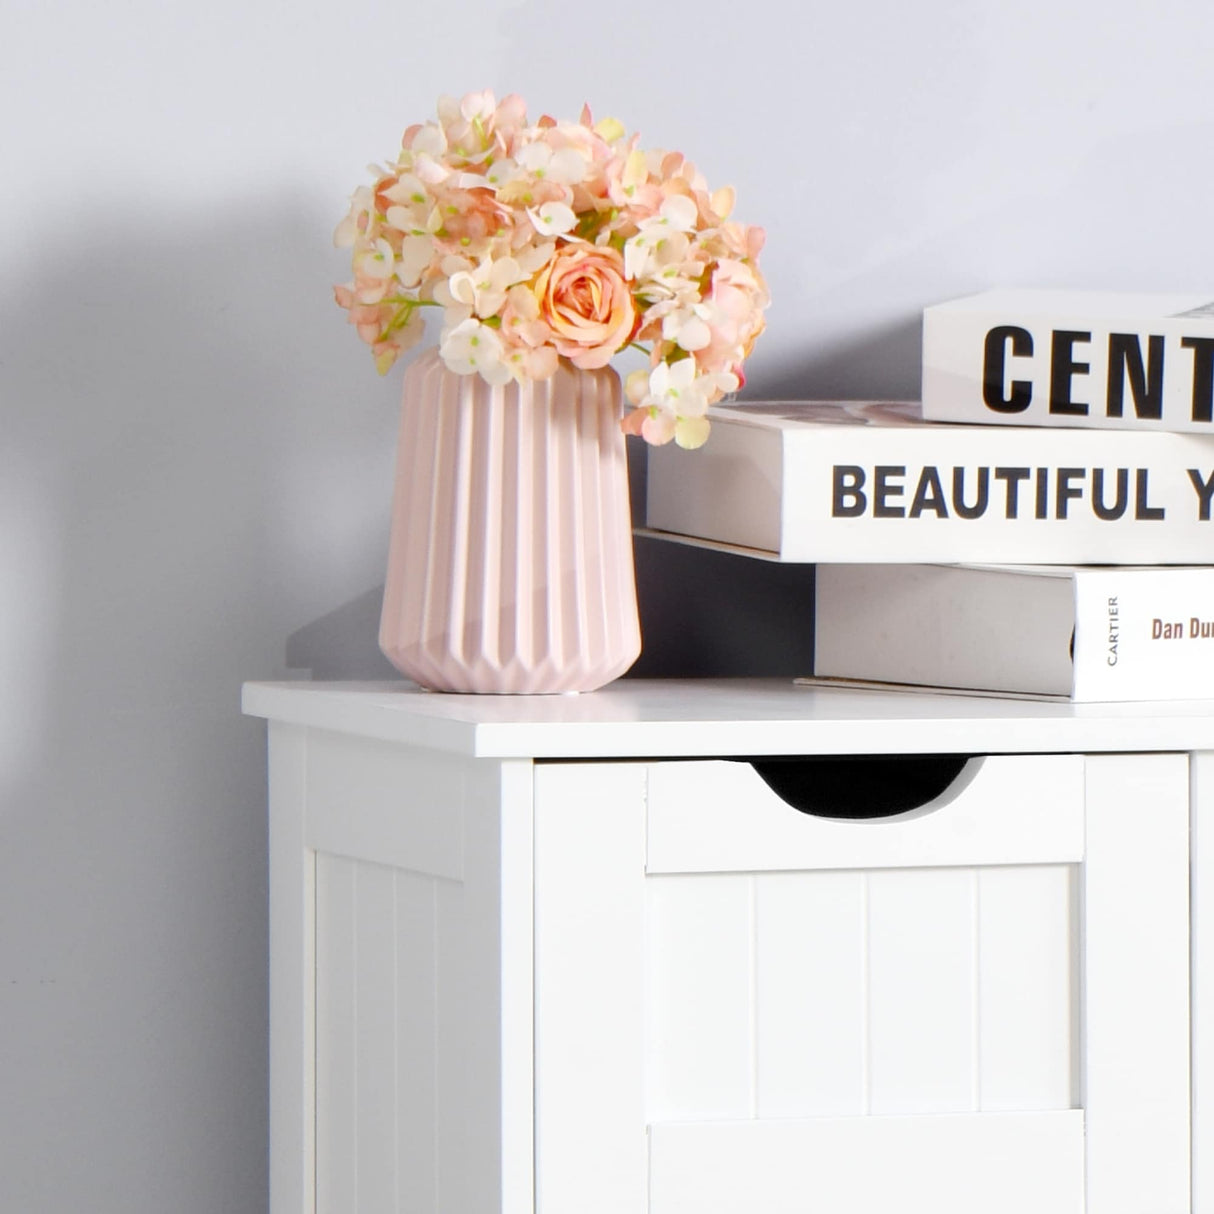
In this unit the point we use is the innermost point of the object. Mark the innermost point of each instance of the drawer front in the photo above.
(738, 1005)
(716, 817)
(862, 967)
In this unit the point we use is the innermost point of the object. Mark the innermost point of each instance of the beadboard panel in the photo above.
(812, 1019)
(423, 1035)
(1028, 1030)
(292, 913)
(921, 990)
(415, 968)
(337, 1035)
(715, 816)
(700, 997)
(817, 994)
(996, 1163)
(376, 1039)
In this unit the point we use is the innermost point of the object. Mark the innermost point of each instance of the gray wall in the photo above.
(195, 452)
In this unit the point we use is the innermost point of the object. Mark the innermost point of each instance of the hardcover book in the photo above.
(873, 482)
(1084, 634)
(1071, 358)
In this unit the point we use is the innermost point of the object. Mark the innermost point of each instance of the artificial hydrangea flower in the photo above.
(556, 240)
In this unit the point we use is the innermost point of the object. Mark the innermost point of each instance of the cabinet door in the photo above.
(983, 1004)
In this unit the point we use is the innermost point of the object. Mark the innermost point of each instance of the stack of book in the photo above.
(1041, 524)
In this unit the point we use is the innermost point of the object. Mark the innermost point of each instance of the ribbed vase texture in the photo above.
(510, 561)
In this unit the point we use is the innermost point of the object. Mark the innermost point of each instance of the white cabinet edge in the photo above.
(709, 718)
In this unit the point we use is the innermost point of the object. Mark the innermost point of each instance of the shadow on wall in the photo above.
(186, 474)
(883, 364)
(343, 643)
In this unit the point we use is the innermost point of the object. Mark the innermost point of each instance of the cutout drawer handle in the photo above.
(863, 786)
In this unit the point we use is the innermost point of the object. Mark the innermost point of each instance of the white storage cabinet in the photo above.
(563, 956)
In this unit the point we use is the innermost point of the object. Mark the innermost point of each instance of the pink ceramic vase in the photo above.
(510, 561)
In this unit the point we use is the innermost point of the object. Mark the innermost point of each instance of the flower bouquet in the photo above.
(556, 240)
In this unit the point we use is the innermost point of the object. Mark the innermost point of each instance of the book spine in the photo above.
(1041, 369)
(1144, 634)
(981, 494)
(1135, 634)
(966, 628)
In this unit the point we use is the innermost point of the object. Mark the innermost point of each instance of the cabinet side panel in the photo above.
(1202, 893)
(589, 998)
(375, 1039)
(386, 803)
(424, 1022)
(1136, 979)
(416, 1035)
(377, 1032)
(292, 979)
(337, 1125)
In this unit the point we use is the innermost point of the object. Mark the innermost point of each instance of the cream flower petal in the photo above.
(430, 142)
(723, 201)
(658, 429)
(476, 106)
(416, 253)
(505, 273)
(472, 347)
(691, 432)
(462, 288)
(680, 212)
(636, 386)
(406, 189)
(522, 300)
(694, 335)
(534, 157)
(568, 166)
(534, 258)
(638, 257)
(553, 219)
(501, 172)
(430, 171)
(375, 261)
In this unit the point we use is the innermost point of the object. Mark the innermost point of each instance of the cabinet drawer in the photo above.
(738, 1004)
(799, 966)
(721, 816)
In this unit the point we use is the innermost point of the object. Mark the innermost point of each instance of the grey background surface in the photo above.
(195, 452)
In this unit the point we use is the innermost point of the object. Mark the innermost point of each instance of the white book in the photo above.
(1086, 634)
(1071, 358)
(873, 482)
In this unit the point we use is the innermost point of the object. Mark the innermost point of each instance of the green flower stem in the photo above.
(405, 308)
(406, 302)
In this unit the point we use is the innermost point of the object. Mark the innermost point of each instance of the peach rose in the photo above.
(584, 300)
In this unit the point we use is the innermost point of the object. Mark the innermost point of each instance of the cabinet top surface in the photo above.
(638, 718)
